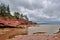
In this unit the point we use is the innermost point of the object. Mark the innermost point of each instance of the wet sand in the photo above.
(17, 33)
(9, 33)
(37, 37)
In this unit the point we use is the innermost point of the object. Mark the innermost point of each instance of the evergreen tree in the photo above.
(21, 16)
(25, 16)
(16, 14)
(2, 9)
(8, 11)
(5, 10)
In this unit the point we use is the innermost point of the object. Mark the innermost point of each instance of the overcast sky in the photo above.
(36, 10)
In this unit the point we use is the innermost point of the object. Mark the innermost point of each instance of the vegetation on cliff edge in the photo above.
(5, 12)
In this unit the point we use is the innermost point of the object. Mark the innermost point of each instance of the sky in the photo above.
(36, 10)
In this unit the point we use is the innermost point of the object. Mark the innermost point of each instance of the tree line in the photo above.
(5, 12)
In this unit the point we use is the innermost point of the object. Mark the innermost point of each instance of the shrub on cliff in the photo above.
(20, 16)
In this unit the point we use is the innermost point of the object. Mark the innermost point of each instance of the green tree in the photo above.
(21, 16)
(16, 14)
(8, 11)
(2, 9)
(25, 16)
(5, 10)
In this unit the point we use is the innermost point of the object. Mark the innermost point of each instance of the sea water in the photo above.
(49, 29)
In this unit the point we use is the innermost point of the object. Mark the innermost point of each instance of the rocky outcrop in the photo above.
(14, 22)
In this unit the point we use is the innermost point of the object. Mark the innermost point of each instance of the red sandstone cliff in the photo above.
(14, 22)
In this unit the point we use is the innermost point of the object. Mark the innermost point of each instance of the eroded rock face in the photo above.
(13, 22)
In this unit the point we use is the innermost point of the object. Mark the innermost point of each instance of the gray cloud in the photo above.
(36, 10)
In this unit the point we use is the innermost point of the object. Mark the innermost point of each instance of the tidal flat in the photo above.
(49, 29)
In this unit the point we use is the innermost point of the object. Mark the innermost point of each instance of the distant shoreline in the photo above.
(47, 24)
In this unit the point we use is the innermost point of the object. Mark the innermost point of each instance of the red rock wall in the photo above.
(13, 22)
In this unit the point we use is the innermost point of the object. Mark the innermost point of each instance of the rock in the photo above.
(14, 22)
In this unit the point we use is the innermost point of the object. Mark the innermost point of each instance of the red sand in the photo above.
(37, 37)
